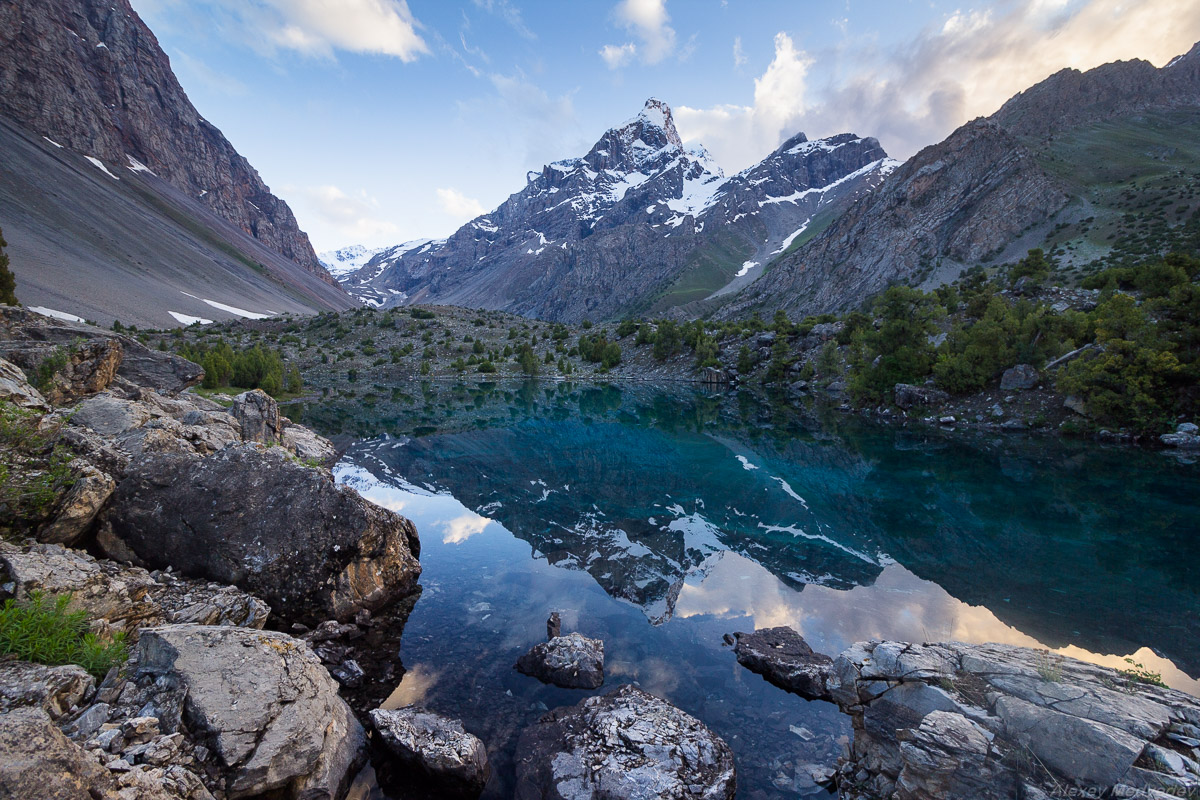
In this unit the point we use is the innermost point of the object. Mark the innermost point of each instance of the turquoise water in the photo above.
(661, 519)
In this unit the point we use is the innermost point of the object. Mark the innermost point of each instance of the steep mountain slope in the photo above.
(90, 77)
(638, 223)
(1026, 177)
(120, 243)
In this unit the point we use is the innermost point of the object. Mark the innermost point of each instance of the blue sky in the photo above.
(381, 121)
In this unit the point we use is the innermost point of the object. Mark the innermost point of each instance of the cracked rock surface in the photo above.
(572, 661)
(627, 744)
(264, 703)
(981, 721)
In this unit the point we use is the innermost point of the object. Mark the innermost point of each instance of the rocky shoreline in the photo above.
(248, 587)
(955, 720)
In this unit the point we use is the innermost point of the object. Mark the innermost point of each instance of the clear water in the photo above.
(661, 519)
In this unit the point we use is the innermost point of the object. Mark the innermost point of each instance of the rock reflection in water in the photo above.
(703, 515)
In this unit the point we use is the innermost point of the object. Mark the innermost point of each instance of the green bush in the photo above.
(46, 632)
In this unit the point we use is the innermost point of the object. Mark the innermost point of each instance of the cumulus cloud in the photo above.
(740, 135)
(617, 56)
(647, 20)
(458, 205)
(385, 27)
(334, 218)
(964, 67)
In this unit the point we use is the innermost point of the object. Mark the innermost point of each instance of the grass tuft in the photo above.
(45, 631)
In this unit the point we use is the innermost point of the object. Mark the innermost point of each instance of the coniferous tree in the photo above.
(8, 283)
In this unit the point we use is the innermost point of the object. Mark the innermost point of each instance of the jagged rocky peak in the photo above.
(636, 141)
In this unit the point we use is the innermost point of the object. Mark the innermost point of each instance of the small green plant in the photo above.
(47, 632)
(1140, 674)
(1049, 666)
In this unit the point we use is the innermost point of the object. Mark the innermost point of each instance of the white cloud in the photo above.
(741, 135)
(385, 27)
(966, 65)
(334, 218)
(458, 205)
(617, 56)
(647, 20)
(739, 57)
(312, 27)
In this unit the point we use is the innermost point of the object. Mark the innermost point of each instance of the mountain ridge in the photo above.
(638, 221)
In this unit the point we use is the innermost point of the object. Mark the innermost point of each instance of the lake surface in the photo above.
(661, 519)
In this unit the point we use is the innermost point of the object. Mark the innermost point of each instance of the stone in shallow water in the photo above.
(626, 744)
(438, 745)
(783, 657)
(573, 662)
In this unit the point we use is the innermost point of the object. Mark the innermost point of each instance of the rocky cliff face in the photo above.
(91, 76)
(968, 197)
(950, 205)
(639, 222)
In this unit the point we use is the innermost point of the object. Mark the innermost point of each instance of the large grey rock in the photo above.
(267, 705)
(627, 744)
(257, 414)
(975, 722)
(438, 745)
(255, 518)
(783, 657)
(572, 661)
(906, 395)
(1022, 376)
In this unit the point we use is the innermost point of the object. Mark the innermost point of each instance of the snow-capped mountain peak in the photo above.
(347, 259)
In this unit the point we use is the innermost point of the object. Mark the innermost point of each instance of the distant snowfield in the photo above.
(187, 320)
(241, 312)
(50, 312)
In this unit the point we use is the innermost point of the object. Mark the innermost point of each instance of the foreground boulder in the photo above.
(437, 745)
(269, 710)
(39, 761)
(956, 721)
(256, 518)
(626, 744)
(573, 662)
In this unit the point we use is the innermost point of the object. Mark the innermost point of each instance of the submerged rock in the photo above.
(956, 721)
(265, 703)
(257, 519)
(437, 745)
(572, 661)
(626, 744)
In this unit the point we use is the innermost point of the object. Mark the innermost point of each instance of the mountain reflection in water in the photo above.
(703, 514)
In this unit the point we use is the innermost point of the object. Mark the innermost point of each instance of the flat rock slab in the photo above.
(438, 745)
(783, 657)
(265, 702)
(573, 662)
(627, 744)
